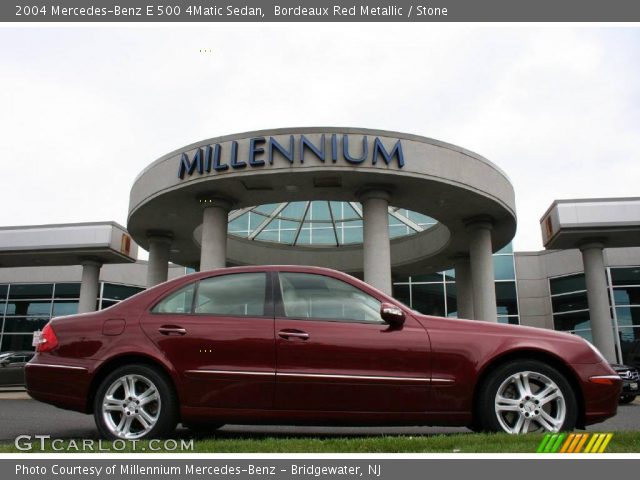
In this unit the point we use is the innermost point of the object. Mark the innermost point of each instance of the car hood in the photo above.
(500, 338)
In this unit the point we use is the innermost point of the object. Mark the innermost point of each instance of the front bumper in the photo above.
(601, 388)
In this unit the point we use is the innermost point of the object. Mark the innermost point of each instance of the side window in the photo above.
(312, 296)
(176, 302)
(238, 294)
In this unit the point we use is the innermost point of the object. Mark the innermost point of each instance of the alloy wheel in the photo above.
(131, 406)
(530, 402)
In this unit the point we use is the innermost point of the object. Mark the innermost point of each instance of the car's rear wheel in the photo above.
(624, 399)
(527, 396)
(135, 402)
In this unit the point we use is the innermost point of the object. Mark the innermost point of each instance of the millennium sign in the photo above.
(263, 151)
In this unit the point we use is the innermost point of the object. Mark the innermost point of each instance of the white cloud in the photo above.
(84, 110)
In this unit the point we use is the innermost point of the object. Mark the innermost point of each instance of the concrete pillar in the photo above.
(158, 266)
(598, 298)
(464, 289)
(376, 246)
(482, 275)
(89, 286)
(213, 253)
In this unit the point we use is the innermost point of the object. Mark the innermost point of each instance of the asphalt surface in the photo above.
(20, 415)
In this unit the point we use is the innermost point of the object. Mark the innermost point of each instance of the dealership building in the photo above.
(426, 221)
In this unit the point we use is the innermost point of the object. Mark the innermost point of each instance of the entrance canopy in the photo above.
(274, 169)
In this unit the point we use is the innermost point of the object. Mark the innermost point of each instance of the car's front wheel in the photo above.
(527, 396)
(135, 402)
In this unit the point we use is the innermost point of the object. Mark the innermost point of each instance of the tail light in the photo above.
(48, 340)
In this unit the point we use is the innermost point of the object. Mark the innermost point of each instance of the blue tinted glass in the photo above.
(266, 209)
(572, 321)
(16, 342)
(268, 236)
(67, 290)
(288, 224)
(506, 299)
(24, 324)
(452, 300)
(393, 221)
(420, 218)
(320, 211)
(287, 236)
(293, 211)
(64, 308)
(29, 307)
(352, 234)
(31, 290)
(429, 277)
(586, 334)
(255, 219)
(119, 292)
(628, 316)
(506, 249)
(503, 267)
(626, 295)
(323, 236)
(429, 298)
(625, 276)
(401, 292)
(305, 236)
(570, 283)
(399, 231)
(240, 225)
(569, 302)
(509, 320)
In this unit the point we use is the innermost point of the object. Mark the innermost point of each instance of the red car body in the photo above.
(428, 371)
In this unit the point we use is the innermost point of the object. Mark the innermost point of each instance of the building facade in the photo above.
(426, 221)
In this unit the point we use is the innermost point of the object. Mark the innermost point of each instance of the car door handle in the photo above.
(172, 330)
(286, 334)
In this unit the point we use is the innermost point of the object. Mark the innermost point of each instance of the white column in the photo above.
(376, 246)
(599, 311)
(482, 275)
(213, 253)
(464, 291)
(89, 286)
(158, 266)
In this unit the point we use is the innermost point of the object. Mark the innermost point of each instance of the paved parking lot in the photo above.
(19, 415)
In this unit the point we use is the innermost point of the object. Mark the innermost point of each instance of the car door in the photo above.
(334, 353)
(218, 334)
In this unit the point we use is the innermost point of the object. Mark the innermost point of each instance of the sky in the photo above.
(83, 110)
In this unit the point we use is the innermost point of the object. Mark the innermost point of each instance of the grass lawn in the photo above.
(622, 442)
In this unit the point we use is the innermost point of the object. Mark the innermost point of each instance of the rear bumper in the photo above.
(63, 385)
(600, 399)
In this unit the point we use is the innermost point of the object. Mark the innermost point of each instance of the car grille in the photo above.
(630, 375)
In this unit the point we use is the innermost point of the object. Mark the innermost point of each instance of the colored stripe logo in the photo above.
(574, 443)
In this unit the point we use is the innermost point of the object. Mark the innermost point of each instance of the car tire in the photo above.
(624, 399)
(527, 396)
(203, 429)
(135, 402)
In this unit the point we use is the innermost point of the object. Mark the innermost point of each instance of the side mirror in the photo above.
(392, 315)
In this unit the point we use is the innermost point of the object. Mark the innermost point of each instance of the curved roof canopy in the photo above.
(301, 174)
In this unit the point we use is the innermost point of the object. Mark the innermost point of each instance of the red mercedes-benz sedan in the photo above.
(305, 345)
